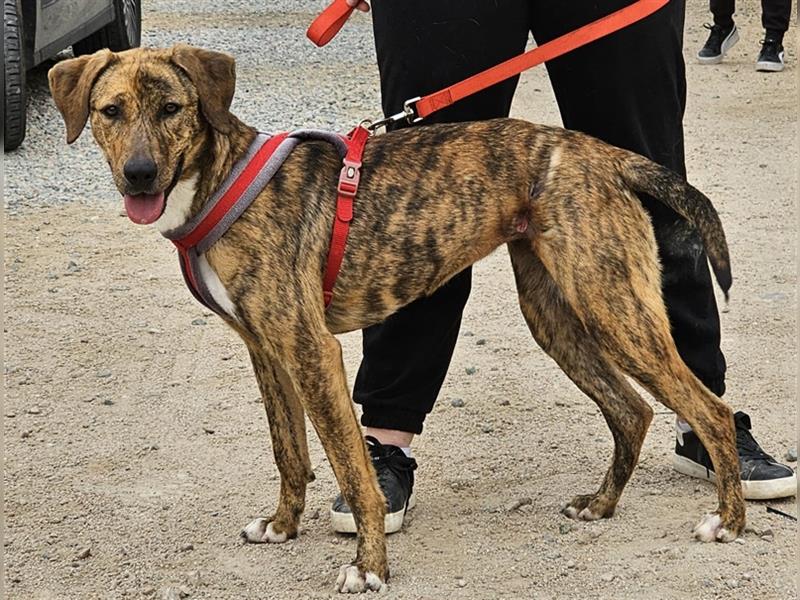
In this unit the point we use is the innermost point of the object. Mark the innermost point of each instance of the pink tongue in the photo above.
(144, 208)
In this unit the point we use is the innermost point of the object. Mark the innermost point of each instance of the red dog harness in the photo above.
(247, 179)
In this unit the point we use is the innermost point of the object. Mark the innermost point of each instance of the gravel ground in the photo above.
(136, 447)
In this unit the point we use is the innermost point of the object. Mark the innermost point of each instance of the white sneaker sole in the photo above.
(769, 489)
(727, 44)
(770, 67)
(392, 522)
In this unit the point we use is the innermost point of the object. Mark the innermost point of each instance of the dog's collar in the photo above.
(244, 183)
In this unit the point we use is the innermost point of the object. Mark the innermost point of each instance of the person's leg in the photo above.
(775, 17)
(723, 12)
(640, 107)
(423, 46)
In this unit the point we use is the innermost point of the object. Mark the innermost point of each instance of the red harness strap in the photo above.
(349, 179)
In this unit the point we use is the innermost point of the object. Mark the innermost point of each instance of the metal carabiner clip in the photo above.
(409, 114)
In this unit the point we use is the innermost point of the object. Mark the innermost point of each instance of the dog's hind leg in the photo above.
(560, 333)
(602, 256)
(289, 446)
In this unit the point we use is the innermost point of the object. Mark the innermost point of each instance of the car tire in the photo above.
(14, 74)
(123, 33)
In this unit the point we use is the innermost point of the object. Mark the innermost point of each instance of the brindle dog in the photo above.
(433, 200)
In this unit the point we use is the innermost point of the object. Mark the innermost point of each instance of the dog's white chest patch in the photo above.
(179, 205)
(176, 213)
(215, 287)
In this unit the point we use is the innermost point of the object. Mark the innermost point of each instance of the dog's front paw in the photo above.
(711, 528)
(587, 507)
(262, 531)
(352, 580)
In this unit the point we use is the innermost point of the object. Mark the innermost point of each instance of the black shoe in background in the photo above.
(770, 58)
(720, 40)
(395, 473)
(763, 478)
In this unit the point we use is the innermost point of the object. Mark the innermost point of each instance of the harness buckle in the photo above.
(349, 178)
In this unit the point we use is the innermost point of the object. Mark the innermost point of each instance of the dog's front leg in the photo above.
(288, 433)
(315, 366)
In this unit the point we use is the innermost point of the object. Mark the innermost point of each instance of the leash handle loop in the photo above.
(325, 27)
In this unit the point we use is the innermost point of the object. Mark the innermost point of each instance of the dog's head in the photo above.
(151, 112)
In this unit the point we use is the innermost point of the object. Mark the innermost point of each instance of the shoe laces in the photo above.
(386, 459)
(770, 44)
(717, 34)
(745, 442)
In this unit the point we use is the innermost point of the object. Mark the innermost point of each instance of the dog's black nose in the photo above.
(140, 173)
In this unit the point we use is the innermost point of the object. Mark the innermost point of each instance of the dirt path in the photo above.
(133, 425)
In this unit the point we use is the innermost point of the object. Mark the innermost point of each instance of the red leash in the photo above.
(331, 20)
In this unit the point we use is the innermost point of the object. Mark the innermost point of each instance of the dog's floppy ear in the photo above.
(214, 76)
(71, 83)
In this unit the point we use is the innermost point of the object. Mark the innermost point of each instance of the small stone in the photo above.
(72, 267)
(732, 583)
(187, 547)
(26, 434)
(208, 430)
(608, 577)
(104, 374)
(470, 370)
(461, 582)
(740, 541)
(747, 576)
(555, 554)
(199, 322)
(457, 402)
(570, 564)
(504, 402)
(11, 415)
(674, 554)
(791, 455)
(108, 401)
(767, 535)
(34, 410)
(148, 591)
(171, 593)
(564, 528)
(314, 515)
(486, 428)
(84, 553)
(519, 502)
(480, 342)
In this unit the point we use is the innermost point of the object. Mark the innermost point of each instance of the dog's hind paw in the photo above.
(710, 529)
(352, 581)
(262, 531)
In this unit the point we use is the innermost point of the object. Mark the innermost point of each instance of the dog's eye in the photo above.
(170, 108)
(111, 111)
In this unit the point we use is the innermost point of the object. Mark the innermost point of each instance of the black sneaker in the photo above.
(771, 56)
(720, 40)
(763, 478)
(395, 476)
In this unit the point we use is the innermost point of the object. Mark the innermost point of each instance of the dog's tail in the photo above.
(645, 176)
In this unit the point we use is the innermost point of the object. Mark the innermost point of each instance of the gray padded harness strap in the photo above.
(190, 256)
